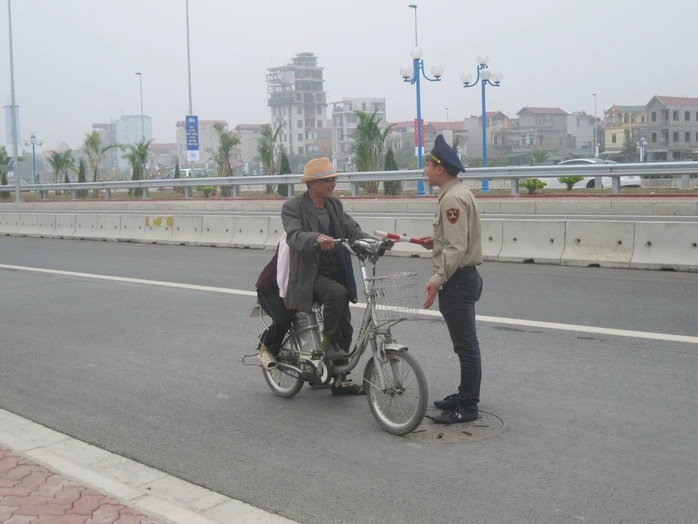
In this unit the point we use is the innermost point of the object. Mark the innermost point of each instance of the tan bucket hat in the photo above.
(318, 169)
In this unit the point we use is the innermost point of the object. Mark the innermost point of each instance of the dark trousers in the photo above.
(336, 315)
(281, 318)
(457, 300)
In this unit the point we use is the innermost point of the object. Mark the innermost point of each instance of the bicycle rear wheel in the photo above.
(284, 382)
(400, 408)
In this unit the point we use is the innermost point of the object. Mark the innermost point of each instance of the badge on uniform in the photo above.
(452, 215)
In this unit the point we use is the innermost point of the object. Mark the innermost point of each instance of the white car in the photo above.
(588, 181)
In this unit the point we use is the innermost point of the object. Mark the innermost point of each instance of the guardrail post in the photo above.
(236, 190)
(598, 183)
(354, 189)
(187, 192)
(685, 181)
(44, 195)
(615, 185)
(75, 194)
(514, 186)
(108, 193)
(146, 194)
(291, 191)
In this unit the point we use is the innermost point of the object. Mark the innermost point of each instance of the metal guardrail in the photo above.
(514, 173)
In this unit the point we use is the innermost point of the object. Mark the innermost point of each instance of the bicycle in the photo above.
(396, 387)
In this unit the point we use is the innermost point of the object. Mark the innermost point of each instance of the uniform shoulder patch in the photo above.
(453, 214)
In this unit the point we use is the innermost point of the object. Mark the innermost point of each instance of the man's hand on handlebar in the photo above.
(326, 243)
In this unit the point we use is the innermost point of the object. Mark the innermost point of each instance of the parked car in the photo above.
(184, 173)
(589, 181)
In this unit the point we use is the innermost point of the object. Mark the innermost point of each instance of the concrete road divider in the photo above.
(86, 227)
(539, 241)
(276, 229)
(186, 229)
(606, 244)
(665, 245)
(45, 225)
(132, 228)
(415, 228)
(217, 230)
(250, 232)
(158, 230)
(491, 239)
(65, 226)
(27, 225)
(108, 227)
(9, 223)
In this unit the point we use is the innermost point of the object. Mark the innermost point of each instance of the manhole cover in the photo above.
(485, 426)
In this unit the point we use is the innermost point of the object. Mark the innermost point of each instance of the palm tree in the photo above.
(266, 148)
(221, 155)
(369, 143)
(4, 162)
(94, 150)
(539, 156)
(137, 156)
(60, 163)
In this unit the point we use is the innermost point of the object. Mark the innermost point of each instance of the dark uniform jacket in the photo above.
(302, 229)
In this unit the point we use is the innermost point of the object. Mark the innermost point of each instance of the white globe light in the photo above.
(416, 53)
(406, 71)
(466, 78)
(497, 77)
(485, 74)
(437, 70)
(482, 59)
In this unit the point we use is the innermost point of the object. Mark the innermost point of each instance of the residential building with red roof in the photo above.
(672, 127)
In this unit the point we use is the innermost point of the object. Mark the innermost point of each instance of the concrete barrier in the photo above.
(665, 245)
(132, 228)
(532, 241)
(250, 232)
(217, 230)
(599, 243)
(108, 227)
(491, 239)
(371, 224)
(186, 229)
(412, 227)
(27, 225)
(86, 227)
(9, 223)
(158, 230)
(45, 225)
(65, 226)
(276, 229)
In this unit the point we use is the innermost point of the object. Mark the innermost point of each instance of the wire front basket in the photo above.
(394, 297)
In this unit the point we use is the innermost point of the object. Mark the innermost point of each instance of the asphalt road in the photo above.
(401, 214)
(598, 428)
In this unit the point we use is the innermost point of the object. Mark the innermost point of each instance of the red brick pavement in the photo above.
(31, 494)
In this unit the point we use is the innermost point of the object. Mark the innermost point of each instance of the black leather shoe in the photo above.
(455, 416)
(347, 389)
(447, 404)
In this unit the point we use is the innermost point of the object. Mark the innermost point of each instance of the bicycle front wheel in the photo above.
(401, 406)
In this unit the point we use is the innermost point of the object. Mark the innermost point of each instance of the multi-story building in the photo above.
(247, 150)
(496, 129)
(130, 129)
(539, 128)
(345, 121)
(672, 127)
(623, 123)
(162, 157)
(580, 132)
(298, 103)
(110, 160)
(208, 141)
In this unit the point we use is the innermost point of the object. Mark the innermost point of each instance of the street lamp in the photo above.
(484, 76)
(642, 148)
(412, 75)
(140, 80)
(188, 60)
(13, 108)
(33, 142)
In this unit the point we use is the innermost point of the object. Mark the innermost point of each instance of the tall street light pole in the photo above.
(596, 145)
(191, 111)
(485, 77)
(13, 108)
(140, 81)
(412, 75)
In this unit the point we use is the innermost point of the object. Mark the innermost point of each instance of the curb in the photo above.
(148, 490)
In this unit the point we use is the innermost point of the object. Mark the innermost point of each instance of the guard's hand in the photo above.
(431, 291)
(326, 243)
(428, 242)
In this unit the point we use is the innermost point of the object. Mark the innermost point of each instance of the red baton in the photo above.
(398, 238)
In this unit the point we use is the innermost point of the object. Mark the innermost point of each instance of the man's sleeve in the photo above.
(296, 238)
(454, 219)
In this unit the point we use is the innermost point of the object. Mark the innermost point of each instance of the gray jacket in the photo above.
(302, 229)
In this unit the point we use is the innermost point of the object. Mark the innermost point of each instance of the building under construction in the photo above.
(296, 95)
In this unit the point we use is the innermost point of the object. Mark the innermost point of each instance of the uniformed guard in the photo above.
(457, 250)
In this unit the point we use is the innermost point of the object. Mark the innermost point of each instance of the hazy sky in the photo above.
(75, 59)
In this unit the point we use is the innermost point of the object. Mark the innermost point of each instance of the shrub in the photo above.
(570, 181)
(532, 184)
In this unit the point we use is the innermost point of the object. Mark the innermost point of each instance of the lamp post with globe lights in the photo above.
(33, 142)
(484, 77)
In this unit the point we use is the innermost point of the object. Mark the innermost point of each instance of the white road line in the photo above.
(482, 318)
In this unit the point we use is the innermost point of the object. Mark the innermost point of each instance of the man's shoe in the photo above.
(455, 416)
(334, 352)
(447, 404)
(347, 388)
